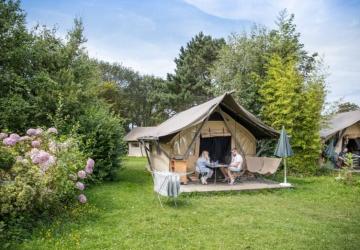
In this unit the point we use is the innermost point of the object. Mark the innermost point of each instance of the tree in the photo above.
(142, 100)
(280, 94)
(288, 100)
(242, 62)
(191, 83)
(241, 67)
(276, 79)
(346, 107)
(47, 81)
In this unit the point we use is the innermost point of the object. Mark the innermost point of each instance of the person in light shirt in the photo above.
(234, 167)
(202, 165)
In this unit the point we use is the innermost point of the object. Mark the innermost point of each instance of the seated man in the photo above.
(202, 165)
(235, 165)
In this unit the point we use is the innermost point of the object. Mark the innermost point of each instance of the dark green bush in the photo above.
(6, 159)
(102, 134)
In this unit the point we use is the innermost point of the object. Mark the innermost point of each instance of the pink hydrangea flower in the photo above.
(3, 135)
(82, 198)
(39, 157)
(9, 141)
(35, 144)
(89, 170)
(89, 166)
(52, 130)
(39, 131)
(90, 163)
(82, 174)
(31, 132)
(79, 185)
(14, 136)
(50, 162)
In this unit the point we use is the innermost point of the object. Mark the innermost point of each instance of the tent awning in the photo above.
(340, 122)
(199, 113)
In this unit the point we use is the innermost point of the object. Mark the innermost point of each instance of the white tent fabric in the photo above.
(340, 122)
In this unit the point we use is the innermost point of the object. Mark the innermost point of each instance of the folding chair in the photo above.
(238, 175)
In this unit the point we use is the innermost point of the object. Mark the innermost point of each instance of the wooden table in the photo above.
(215, 166)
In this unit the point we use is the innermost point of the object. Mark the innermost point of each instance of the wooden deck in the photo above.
(246, 185)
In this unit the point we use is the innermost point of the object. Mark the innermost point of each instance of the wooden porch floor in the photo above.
(243, 185)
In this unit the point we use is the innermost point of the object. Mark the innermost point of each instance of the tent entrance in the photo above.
(219, 148)
(353, 145)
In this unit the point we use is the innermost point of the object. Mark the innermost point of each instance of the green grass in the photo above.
(318, 214)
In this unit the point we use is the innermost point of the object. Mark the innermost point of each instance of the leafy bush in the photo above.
(39, 173)
(102, 135)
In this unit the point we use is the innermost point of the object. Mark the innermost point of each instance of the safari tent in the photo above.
(135, 148)
(216, 126)
(344, 131)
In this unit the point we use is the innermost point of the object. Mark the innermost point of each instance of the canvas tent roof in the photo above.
(137, 132)
(199, 113)
(340, 122)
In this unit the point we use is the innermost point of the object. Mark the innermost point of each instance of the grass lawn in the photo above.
(318, 214)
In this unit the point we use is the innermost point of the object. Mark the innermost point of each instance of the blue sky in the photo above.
(147, 35)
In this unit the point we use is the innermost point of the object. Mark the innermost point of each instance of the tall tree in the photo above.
(242, 62)
(280, 94)
(241, 67)
(191, 83)
(141, 100)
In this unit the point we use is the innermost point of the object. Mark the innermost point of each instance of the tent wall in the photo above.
(180, 143)
(158, 158)
(136, 149)
(243, 136)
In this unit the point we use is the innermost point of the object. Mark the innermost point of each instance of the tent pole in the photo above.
(196, 135)
(147, 154)
(236, 140)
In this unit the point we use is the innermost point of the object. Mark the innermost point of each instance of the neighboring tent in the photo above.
(134, 147)
(217, 126)
(344, 130)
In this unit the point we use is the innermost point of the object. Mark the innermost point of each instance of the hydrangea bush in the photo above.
(39, 172)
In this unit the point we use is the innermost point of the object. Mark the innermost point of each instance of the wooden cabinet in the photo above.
(180, 166)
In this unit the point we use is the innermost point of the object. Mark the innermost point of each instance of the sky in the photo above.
(147, 35)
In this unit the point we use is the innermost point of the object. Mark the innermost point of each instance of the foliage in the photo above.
(46, 172)
(276, 79)
(242, 63)
(347, 106)
(345, 173)
(291, 102)
(191, 83)
(241, 67)
(102, 135)
(141, 100)
(48, 81)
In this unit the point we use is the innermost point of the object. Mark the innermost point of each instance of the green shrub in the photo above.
(39, 174)
(102, 135)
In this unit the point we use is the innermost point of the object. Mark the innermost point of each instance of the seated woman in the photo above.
(202, 165)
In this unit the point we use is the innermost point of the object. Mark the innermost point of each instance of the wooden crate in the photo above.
(180, 166)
